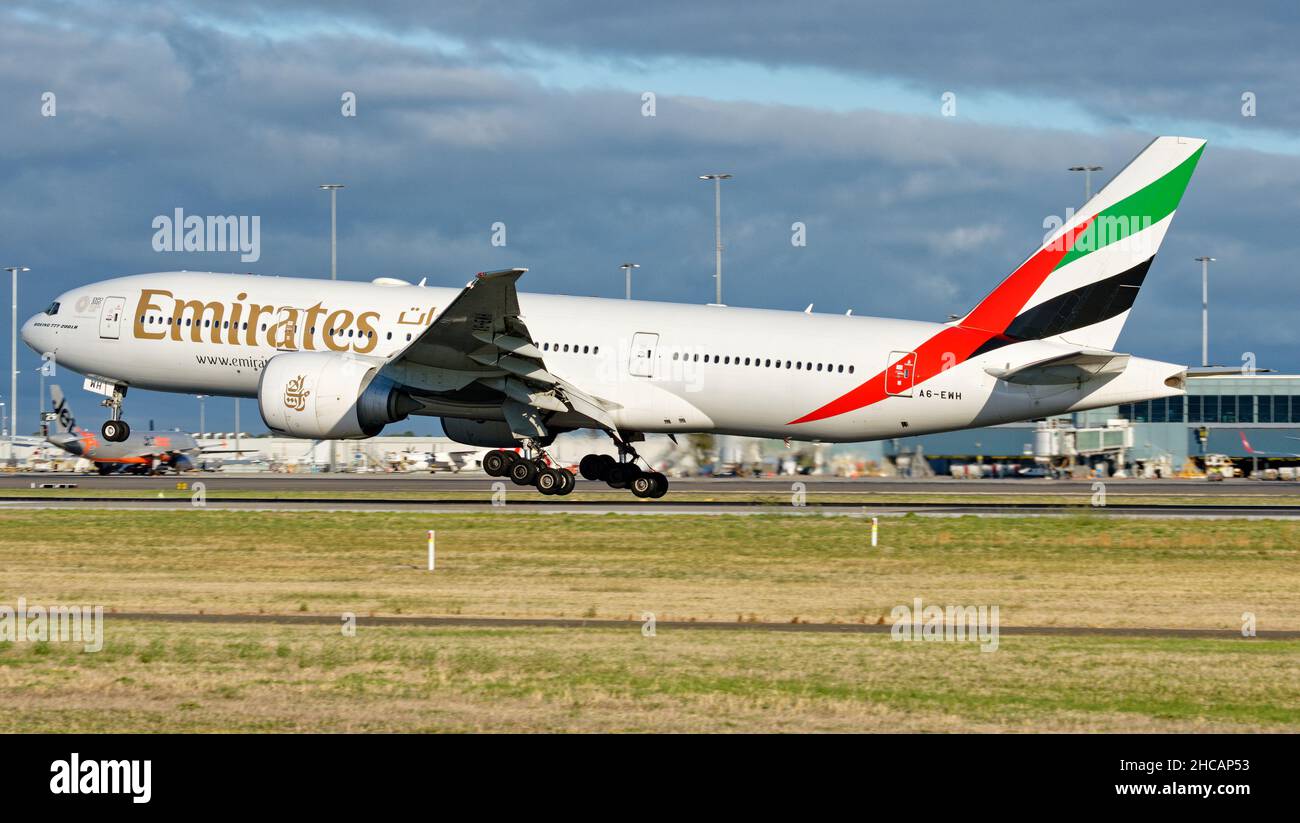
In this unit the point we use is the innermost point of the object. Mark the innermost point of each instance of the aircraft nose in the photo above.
(30, 333)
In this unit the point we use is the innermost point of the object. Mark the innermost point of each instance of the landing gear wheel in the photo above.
(549, 481)
(621, 475)
(643, 485)
(661, 485)
(603, 464)
(496, 463)
(592, 467)
(569, 482)
(115, 431)
(523, 472)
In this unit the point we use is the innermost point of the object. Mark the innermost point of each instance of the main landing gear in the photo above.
(115, 429)
(624, 473)
(529, 471)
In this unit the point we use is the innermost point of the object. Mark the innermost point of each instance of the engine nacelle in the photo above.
(491, 434)
(320, 395)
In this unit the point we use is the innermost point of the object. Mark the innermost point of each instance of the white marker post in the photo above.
(875, 531)
(431, 550)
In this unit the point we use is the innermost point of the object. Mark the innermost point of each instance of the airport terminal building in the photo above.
(1252, 419)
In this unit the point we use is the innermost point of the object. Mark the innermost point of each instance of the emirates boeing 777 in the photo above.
(510, 370)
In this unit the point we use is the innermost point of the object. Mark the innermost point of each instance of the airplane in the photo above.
(453, 460)
(509, 370)
(149, 452)
(1256, 453)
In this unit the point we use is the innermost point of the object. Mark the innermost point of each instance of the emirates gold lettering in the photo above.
(263, 325)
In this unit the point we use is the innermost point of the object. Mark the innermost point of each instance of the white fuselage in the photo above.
(666, 367)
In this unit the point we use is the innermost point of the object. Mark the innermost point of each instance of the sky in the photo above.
(921, 145)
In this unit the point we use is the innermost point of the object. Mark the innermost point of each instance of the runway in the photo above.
(337, 484)
(532, 504)
(669, 626)
(449, 493)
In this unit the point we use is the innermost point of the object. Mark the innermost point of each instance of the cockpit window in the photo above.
(53, 308)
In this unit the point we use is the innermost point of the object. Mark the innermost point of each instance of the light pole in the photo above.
(1087, 179)
(333, 189)
(13, 365)
(40, 398)
(717, 228)
(1205, 262)
(202, 420)
(627, 270)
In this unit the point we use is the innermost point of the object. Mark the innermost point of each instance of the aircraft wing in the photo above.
(1071, 367)
(480, 347)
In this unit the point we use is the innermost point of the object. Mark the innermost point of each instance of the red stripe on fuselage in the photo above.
(954, 344)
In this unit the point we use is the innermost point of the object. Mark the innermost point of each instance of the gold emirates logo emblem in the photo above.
(295, 397)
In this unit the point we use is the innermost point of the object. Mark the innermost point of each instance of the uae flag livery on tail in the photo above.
(1077, 288)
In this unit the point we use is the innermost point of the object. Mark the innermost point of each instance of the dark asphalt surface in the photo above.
(327, 484)
(531, 503)
(333, 493)
(668, 626)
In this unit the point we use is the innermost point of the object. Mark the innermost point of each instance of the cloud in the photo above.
(1124, 64)
(966, 239)
(907, 214)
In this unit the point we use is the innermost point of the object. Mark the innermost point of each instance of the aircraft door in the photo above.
(110, 317)
(287, 332)
(900, 373)
(642, 362)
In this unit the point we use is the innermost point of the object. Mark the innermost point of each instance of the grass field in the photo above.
(1066, 572)
(263, 678)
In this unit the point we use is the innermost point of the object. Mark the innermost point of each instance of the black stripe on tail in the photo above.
(1082, 307)
(1075, 309)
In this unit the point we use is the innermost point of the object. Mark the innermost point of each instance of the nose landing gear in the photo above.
(115, 429)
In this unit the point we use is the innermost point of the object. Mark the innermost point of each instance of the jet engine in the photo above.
(319, 395)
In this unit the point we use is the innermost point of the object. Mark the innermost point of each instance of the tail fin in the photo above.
(1246, 443)
(1080, 284)
(64, 422)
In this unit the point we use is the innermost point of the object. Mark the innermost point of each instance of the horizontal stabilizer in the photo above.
(1223, 371)
(1072, 367)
